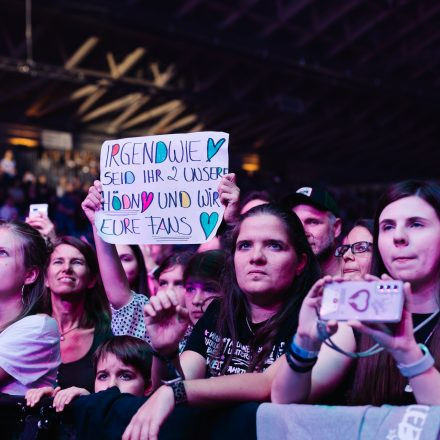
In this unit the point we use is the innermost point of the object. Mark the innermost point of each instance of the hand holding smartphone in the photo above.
(367, 301)
(38, 208)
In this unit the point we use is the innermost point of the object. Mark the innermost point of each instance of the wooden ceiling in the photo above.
(337, 91)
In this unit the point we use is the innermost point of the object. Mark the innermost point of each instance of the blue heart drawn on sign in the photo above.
(208, 222)
(213, 147)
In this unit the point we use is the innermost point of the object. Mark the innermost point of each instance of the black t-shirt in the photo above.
(205, 341)
(80, 373)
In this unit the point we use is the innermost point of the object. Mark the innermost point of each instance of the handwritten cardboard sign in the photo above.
(162, 189)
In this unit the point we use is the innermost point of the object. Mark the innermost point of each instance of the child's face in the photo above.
(198, 296)
(111, 371)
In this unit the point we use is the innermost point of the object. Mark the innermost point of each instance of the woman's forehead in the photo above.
(67, 250)
(10, 240)
(358, 233)
(263, 225)
(408, 207)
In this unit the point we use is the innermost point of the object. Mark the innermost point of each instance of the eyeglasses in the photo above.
(356, 248)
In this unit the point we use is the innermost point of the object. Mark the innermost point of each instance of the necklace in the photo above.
(249, 326)
(408, 388)
(62, 338)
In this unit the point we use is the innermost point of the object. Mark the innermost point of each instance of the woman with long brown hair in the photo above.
(406, 246)
(75, 298)
(271, 267)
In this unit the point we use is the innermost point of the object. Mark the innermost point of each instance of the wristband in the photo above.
(300, 358)
(302, 352)
(418, 367)
(178, 388)
(300, 368)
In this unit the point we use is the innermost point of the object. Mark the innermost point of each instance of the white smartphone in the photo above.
(368, 301)
(37, 208)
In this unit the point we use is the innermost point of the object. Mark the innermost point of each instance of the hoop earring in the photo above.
(22, 294)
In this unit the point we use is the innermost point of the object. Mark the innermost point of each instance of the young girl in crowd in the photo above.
(122, 361)
(134, 267)
(169, 275)
(202, 284)
(29, 342)
(75, 298)
(406, 246)
(356, 250)
(270, 270)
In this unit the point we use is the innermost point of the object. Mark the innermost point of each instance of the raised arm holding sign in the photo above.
(162, 189)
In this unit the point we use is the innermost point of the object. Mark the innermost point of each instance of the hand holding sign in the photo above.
(92, 203)
(161, 189)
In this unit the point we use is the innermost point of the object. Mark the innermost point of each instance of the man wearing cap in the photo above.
(319, 215)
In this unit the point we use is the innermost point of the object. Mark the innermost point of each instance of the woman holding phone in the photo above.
(406, 246)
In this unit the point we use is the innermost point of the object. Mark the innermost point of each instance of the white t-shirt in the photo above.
(30, 354)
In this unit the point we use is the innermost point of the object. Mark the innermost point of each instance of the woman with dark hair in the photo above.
(271, 267)
(75, 298)
(202, 282)
(134, 267)
(29, 342)
(356, 250)
(406, 246)
(169, 274)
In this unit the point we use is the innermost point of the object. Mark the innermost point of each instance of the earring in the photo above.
(22, 294)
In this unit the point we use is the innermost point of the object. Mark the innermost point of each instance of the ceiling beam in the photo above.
(413, 23)
(287, 13)
(110, 107)
(152, 113)
(243, 8)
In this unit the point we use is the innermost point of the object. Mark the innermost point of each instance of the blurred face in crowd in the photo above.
(172, 278)
(356, 260)
(265, 261)
(111, 371)
(321, 229)
(68, 272)
(198, 295)
(159, 252)
(409, 241)
(129, 262)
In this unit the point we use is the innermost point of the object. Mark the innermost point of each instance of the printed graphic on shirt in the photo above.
(241, 356)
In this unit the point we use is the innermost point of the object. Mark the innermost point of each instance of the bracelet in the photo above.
(300, 358)
(299, 368)
(178, 387)
(302, 352)
(418, 367)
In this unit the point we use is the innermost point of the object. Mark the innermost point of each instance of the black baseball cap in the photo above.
(312, 195)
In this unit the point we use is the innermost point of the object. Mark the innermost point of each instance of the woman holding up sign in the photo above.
(126, 305)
